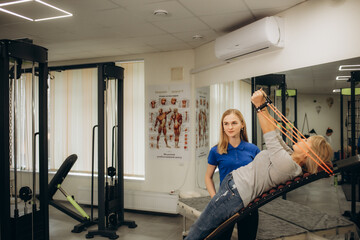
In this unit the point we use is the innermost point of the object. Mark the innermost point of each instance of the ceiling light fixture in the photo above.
(197, 37)
(342, 78)
(14, 2)
(67, 14)
(15, 14)
(349, 67)
(160, 12)
(336, 90)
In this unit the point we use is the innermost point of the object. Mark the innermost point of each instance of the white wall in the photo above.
(166, 175)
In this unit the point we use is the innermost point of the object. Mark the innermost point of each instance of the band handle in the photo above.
(264, 105)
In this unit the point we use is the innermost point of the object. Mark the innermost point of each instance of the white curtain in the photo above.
(134, 119)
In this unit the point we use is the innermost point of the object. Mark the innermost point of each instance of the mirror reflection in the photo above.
(318, 107)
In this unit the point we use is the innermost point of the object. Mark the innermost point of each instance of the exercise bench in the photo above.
(55, 184)
(346, 164)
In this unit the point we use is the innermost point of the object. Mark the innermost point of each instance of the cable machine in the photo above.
(267, 81)
(352, 122)
(109, 129)
(352, 133)
(111, 201)
(15, 58)
(290, 99)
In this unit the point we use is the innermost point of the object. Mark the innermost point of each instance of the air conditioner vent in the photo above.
(267, 33)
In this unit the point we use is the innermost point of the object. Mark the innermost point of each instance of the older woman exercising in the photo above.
(270, 168)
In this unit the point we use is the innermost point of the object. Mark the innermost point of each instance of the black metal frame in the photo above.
(102, 231)
(105, 73)
(269, 80)
(354, 172)
(354, 80)
(10, 49)
(295, 107)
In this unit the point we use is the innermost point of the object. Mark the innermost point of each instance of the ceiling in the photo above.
(319, 79)
(102, 28)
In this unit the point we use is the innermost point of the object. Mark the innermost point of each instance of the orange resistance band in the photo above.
(292, 127)
(283, 118)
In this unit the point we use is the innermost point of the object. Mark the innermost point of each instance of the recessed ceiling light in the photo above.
(2, 9)
(197, 37)
(349, 67)
(160, 12)
(336, 90)
(342, 78)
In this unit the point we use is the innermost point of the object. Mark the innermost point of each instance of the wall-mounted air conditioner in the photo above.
(266, 33)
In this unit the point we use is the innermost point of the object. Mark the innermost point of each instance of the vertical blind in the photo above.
(73, 114)
(221, 99)
(134, 120)
(21, 125)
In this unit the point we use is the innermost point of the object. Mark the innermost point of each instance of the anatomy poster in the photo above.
(202, 121)
(169, 121)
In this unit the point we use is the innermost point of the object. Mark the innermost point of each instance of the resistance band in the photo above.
(295, 133)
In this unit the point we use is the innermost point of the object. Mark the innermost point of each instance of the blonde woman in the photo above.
(232, 151)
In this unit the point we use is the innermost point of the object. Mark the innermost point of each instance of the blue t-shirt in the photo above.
(235, 158)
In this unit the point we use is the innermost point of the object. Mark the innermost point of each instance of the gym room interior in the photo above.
(110, 109)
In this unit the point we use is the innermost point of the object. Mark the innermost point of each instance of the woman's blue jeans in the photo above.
(223, 205)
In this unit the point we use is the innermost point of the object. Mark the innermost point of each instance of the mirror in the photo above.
(318, 107)
(319, 79)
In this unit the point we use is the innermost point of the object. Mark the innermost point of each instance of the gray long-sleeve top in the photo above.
(270, 168)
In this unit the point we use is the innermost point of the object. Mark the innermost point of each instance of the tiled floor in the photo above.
(321, 195)
(149, 227)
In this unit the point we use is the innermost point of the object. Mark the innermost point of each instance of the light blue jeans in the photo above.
(223, 205)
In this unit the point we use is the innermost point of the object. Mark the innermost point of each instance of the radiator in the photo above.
(137, 200)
